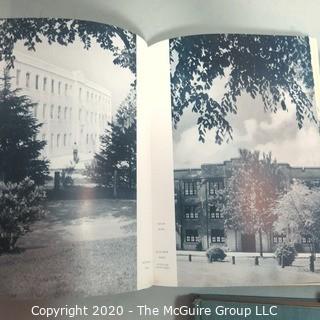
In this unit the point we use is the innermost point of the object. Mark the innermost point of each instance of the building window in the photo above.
(58, 140)
(215, 212)
(51, 140)
(217, 236)
(279, 238)
(27, 80)
(59, 87)
(18, 73)
(70, 113)
(80, 92)
(35, 111)
(192, 236)
(215, 185)
(44, 84)
(51, 111)
(87, 139)
(37, 82)
(306, 239)
(64, 139)
(65, 113)
(66, 89)
(190, 188)
(44, 107)
(87, 95)
(70, 139)
(190, 212)
(52, 85)
(59, 112)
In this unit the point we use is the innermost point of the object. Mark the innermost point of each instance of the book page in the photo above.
(246, 159)
(68, 209)
(154, 85)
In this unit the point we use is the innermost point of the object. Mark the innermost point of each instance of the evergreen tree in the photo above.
(115, 164)
(20, 150)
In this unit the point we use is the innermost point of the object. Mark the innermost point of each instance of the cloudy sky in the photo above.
(253, 129)
(95, 63)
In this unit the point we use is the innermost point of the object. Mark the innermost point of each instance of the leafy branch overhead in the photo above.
(278, 68)
(31, 31)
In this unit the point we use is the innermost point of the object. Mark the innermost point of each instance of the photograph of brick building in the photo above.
(246, 160)
(200, 199)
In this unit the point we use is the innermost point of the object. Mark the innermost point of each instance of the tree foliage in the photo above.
(116, 161)
(252, 191)
(278, 68)
(20, 150)
(20, 205)
(298, 213)
(64, 31)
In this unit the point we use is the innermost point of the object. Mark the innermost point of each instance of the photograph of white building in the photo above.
(74, 110)
(67, 158)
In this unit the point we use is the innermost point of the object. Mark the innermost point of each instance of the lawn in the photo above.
(200, 273)
(80, 248)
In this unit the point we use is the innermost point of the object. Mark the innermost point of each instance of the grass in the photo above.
(55, 263)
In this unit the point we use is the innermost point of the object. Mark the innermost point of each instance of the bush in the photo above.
(287, 252)
(20, 205)
(215, 254)
(66, 177)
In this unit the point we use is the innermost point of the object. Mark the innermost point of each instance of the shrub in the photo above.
(20, 205)
(215, 254)
(287, 252)
(66, 177)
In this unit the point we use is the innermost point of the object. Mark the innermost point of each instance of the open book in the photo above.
(192, 162)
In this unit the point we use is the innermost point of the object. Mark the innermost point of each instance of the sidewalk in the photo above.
(238, 254)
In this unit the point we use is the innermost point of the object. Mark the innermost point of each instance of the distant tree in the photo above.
(20, 150)
(278, 68)
(251, 193)
(64, 31)
(298, 213)
(115, 164)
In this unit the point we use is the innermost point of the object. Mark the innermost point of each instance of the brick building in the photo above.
(199, 209)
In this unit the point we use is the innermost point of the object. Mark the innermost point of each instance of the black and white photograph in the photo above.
(67, 158)
(246, 160)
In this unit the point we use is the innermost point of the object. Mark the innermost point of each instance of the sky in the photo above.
(96, 64)
(253, 129)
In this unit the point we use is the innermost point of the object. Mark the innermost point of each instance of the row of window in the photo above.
(55, 113)
(281, 238)
(191, 212)
(65, 140)
(91, 116)
(55, 86)
(216, 236)
(42, 85)
(191, 187)
(65, 113)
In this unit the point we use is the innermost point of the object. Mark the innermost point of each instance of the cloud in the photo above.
(302, 149)
(275, 132)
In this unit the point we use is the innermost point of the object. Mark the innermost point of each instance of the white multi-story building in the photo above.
(74, 111)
